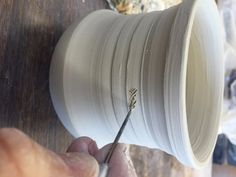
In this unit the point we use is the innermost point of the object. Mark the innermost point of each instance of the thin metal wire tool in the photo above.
(132, 101)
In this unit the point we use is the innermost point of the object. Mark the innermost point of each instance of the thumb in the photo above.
(81, 164)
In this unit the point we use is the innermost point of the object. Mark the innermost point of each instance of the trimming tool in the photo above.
(103, 171)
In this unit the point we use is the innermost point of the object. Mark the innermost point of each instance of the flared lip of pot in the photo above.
(175, 85)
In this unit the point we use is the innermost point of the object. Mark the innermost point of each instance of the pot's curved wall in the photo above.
(166, 55)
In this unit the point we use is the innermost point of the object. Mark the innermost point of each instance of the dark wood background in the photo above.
(29, 31)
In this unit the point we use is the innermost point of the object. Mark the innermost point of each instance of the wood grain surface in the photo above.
(29, 31)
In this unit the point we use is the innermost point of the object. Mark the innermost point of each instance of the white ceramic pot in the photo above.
(174, 59)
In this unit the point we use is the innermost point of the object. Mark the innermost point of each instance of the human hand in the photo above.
(23, 157)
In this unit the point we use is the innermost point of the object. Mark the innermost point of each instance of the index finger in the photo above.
(120, 163)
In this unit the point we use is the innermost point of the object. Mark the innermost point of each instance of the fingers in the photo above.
(25, 158)
(120, 163)
(22, 157)
(83, 145)
(81, 164)
(83, 149)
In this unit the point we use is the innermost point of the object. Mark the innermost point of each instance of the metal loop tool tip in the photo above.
(131, 105)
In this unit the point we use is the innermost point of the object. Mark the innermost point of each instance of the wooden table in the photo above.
(29, 31)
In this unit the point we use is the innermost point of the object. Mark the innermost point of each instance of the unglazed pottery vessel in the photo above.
(174, 59)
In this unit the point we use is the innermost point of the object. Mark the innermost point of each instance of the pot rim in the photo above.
(175, 85)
